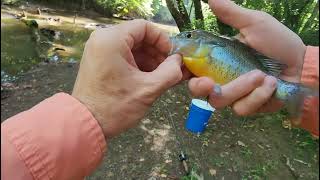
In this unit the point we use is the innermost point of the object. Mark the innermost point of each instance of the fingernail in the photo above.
(176, 56)
(272, 81)
(217, 90)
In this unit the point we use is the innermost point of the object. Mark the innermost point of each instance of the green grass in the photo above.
(246, 152)
(217, 162)
(260, 171)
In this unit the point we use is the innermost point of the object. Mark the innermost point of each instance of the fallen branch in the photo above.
(291, 169)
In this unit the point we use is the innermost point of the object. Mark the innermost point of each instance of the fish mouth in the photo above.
(177, 46)
(174, 46)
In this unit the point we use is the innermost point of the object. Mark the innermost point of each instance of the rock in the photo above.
(54, 58)
(57, 35)
(163, 175)
(26, 86)
(50, 19)
(96, 25)
(48, 32)
(110, 174)
(213, 172)
(72, 61)
(7, 85)
(31, 23)
(168, 101)
(45, 10)
(226, 136)
(241, 144)
(146, 121)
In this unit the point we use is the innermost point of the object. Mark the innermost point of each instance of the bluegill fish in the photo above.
(224, 59)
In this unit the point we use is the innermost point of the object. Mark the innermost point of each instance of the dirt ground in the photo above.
(231, 147)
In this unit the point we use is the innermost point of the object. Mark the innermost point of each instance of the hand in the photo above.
(123, 70)
(251, 92)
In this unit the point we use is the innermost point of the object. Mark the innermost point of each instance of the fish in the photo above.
(224, 59)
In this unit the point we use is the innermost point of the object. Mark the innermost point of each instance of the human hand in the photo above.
(123, 70)
(251, 92)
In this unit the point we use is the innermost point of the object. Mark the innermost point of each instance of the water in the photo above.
(19, 50)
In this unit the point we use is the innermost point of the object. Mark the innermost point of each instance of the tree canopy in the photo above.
(302, 17)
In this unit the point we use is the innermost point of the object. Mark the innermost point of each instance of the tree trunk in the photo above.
(184, 14)
(83, 4)
(180, 15)
(198, 14)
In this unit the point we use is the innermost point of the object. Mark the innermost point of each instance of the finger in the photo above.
(271, 106)
(237, 89)
(141, 31)
(186, 74)
(232, 14)
(168, 73)
(200, 86)
(250, 104)
(133, 34)
(148, 58)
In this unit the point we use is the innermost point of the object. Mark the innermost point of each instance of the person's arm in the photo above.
(123, 70)
(57, 139)
(310, 77)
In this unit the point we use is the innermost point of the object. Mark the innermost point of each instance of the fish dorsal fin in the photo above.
(214, 43)
(229, 38)
(273, 67)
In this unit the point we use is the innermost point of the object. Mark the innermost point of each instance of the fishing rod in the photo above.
(182, 155)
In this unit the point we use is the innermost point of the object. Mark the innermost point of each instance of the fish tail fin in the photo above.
(296, 98)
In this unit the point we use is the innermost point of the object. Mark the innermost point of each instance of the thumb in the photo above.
(232, 14)
(168, 73)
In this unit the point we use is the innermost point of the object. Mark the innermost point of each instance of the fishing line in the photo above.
(171, 123)
(179, 142)
(182, 155)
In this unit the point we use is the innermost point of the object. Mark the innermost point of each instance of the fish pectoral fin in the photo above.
(273, 66)
(202, 51)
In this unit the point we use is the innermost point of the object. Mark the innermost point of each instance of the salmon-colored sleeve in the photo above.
(56, 139)
(310, 77)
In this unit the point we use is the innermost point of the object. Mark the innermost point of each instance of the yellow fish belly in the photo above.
(201, 67)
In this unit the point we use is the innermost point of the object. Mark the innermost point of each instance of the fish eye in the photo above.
(189, 35)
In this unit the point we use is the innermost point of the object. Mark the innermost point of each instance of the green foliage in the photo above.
(133, 8)
(302, 17)
(260, 171)
(11, 2)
